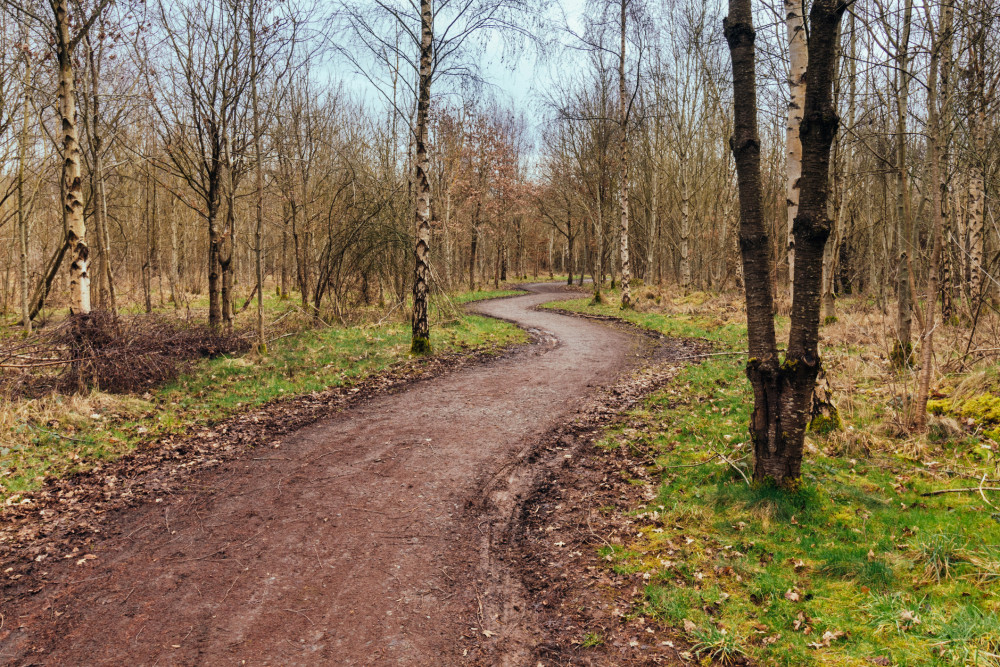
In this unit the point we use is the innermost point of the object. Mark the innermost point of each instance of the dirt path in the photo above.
(358, 540)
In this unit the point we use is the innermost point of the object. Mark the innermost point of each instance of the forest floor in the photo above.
(890, 553)
(578, 500)
(375, 535)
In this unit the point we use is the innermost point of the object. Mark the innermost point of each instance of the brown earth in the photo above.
(395, 532)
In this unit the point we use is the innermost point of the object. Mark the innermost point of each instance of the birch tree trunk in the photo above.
(72, 210)
(685, 226)
(799, 60)
(977, 190)
(623, 186)
(421, 330)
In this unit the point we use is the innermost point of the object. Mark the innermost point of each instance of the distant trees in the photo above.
(402, 38)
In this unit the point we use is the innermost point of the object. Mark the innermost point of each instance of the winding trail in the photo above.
(357, 541)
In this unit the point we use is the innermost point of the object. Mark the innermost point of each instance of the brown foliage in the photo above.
(113, 353)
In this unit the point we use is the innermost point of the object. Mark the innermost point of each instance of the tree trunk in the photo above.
(473, 249)
(940, 51)
(623, 114)
(977, 165)
(685, 226)
(22, 218)
(258, 249)
(647, 275)
(72, 210)
(782, 392)
(799, 60)
(421, 331)
(902, 348)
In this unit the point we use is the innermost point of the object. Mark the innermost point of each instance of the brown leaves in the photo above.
(827, 638)
(793, 594)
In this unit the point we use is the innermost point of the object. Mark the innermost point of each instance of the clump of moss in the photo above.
(939, 406)
(830, 319)
(827, 421)
(901, 355)
(984, 408)
(420, 346)
(693, 299)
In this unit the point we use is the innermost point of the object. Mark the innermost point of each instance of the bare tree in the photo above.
(783, 390)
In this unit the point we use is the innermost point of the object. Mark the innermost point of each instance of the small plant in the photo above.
(591, 639)
(718, 645)
(939, 554)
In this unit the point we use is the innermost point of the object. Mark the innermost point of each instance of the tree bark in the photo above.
(623, 185)
(258, 182)
(73, 220)
(799, 60)
(421, 329)
(783, 391)
(940, 51)
(22, 218)
(904, 225)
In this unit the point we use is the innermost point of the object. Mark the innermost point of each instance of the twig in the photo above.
(712, 354)
(735, 467)
(981, 482)
(295, 611)
(58, 435)
(974, 489)
(694, 465)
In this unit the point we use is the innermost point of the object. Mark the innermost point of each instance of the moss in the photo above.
(827, 421)
(420, 346)
(597, 299)
(901, 355)
(985, 409)
(939, 406)
(830, 319)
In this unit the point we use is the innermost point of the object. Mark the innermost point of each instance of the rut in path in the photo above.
(355, 542)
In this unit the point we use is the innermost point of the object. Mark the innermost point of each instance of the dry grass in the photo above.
(856, 347)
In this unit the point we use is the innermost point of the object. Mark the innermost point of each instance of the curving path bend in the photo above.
(356, 542)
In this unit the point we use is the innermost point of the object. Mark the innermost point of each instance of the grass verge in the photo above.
(57, 435)
(858, 568)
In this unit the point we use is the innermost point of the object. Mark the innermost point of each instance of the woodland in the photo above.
(209, 206)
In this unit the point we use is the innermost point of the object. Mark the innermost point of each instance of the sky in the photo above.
(515, 78)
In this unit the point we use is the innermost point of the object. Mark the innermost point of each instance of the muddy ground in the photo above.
(450, 521)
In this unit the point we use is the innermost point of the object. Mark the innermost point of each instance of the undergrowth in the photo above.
(857, 568)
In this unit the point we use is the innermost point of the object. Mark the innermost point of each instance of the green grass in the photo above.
(59, 435)
(910, 579)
